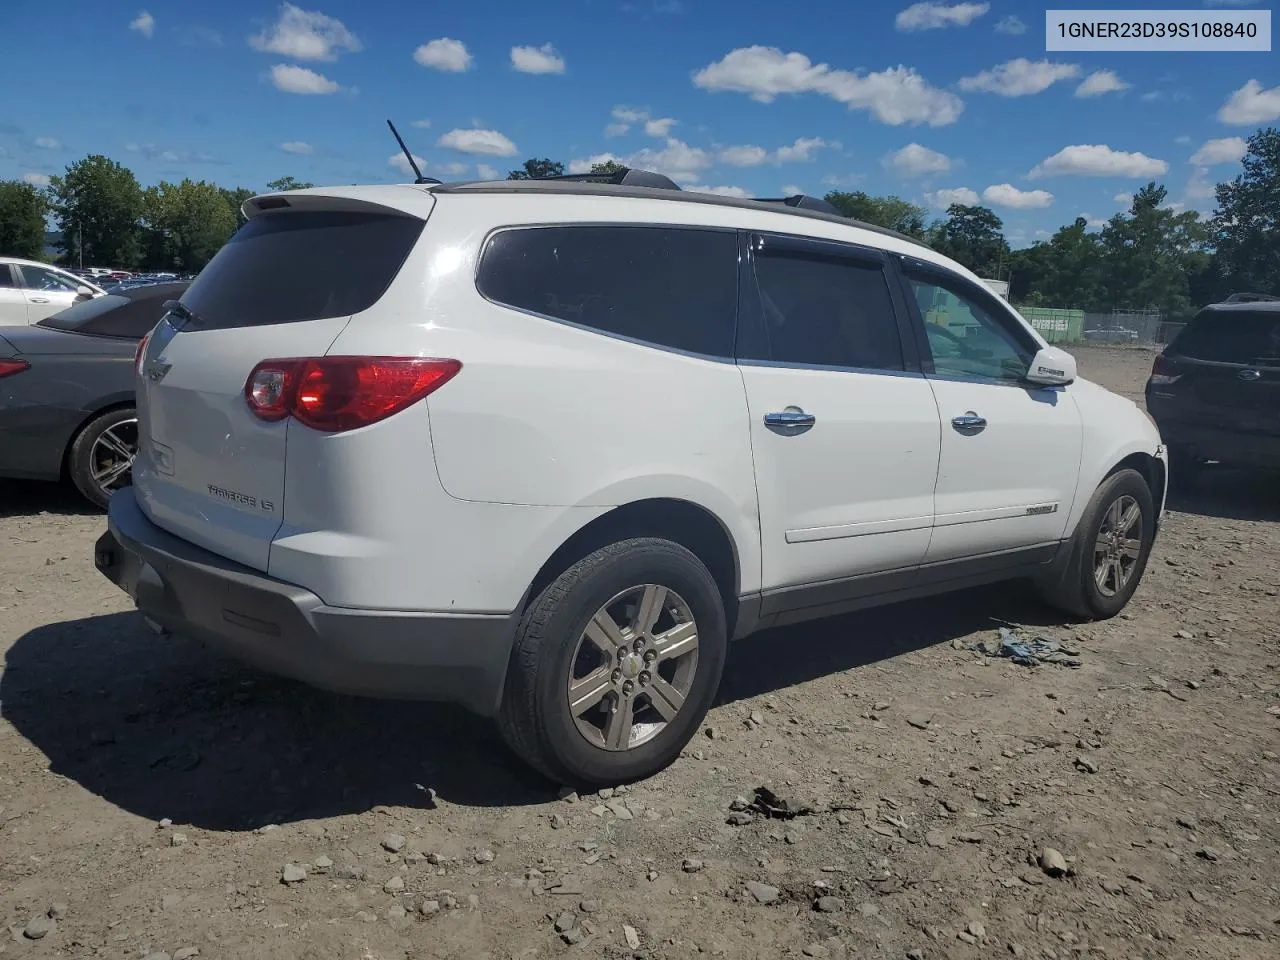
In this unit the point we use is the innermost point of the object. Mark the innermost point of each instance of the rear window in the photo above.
(1232, 336)
(115, 315)
(668, 286)
(303, 265)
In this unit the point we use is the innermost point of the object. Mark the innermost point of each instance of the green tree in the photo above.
(1067, 271)
(235, 200)
(97, 203)
(22, 211)
(536, 169)
(891, 212)
(609, 166)
(186, 224)
(287, 183)
(1148, 253)
(1246, 224)
(974, 237)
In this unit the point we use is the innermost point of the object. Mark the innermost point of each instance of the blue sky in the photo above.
(932, 101)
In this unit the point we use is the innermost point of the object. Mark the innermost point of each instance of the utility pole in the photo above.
(80, 243)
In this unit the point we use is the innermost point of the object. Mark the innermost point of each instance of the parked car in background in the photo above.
(1215, 389)
(66, 391)
(614, 428)
(31, 291)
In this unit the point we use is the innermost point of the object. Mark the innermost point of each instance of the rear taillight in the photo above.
(140, 353)
(342, 393)
(1164, 371)
(9, 367)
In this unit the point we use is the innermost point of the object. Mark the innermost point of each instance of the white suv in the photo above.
(544, 448)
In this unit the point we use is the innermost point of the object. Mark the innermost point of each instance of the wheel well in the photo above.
(1152, 470)
(682, 522)
(66, 451)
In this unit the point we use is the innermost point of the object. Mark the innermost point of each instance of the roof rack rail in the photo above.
(803, 202)
(624, 177)
(1251, 298)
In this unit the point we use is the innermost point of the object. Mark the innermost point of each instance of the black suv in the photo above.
(1215, 390)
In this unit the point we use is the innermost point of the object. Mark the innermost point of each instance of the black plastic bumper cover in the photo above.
(284, 629)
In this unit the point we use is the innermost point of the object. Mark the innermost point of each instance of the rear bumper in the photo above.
(287, 630)
(1228, 446)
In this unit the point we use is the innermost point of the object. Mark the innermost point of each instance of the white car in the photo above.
(545, 448)
(31, 291)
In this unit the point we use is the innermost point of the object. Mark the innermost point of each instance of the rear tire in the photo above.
(1109, 551)
(100, 461)
(616, 664)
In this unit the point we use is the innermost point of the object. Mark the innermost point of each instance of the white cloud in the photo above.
(489, 143)
(298, 147)
(36, 179)
(1182, 139)
(543, 59)
(152, 152)
(749, 155)
(1100, 82)
(616, 129)
(1011, 25)
(1222, 150)
(1007, 195)
(625, 117)
(1151, 96)
(1250, 105)
(1020, 77)
(1123, 198)
(629, 114)
(47, 143)
(1098, 160)
(941, 199)
(306, 35)
(659, 127)
(454, 169)
(791, 190)
(420, 124)
(677, 160)
(401, 163)
(936, 16)
(914, 160)
(486, 172)
(719, 191)
(1199, 186)
(1092, 222)
(294, 79)
(144, 23)
(894, 96)
(445, 53)
(744, 156)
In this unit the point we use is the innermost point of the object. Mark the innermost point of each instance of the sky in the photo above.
(934, 102)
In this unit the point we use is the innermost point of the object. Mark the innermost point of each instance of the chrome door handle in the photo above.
(969, 421)
(38, 300)
(793, 418)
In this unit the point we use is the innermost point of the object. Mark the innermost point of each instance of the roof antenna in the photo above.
(409, 156)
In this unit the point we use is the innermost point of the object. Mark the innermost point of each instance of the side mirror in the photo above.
(85, 292)
(1052, 367)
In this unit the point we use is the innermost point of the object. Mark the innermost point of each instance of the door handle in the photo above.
(792, 418)
(38, 300)
(969, 421)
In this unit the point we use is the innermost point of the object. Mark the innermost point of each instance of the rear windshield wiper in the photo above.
(180, 309)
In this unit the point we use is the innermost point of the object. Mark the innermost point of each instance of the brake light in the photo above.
(140, 353)
(333, 394)
(1164, 371)
(9, 367)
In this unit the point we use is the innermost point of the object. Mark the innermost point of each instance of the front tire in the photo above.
(1109, 551)
(616, 664)
(100, 461)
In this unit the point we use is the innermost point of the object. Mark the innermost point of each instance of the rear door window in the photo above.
(669, 286)
(1232, 336)
(301, 265)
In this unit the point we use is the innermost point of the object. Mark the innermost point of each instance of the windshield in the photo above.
(1232, 336)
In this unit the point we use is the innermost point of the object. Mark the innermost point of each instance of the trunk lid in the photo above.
(1228, 360)
(286, 285)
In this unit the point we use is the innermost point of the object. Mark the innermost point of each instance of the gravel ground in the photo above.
(157, 801)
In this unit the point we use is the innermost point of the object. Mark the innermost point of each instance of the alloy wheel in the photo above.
(1118, 546)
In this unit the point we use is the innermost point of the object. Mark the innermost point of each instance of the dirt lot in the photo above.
(151, 794)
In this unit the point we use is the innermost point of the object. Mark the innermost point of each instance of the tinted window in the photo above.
(966, 338)
(1232, 336)
(49, 281)
(824, 311)
(673, 287)
(116, 315)
(7, 279)
(286, 267)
